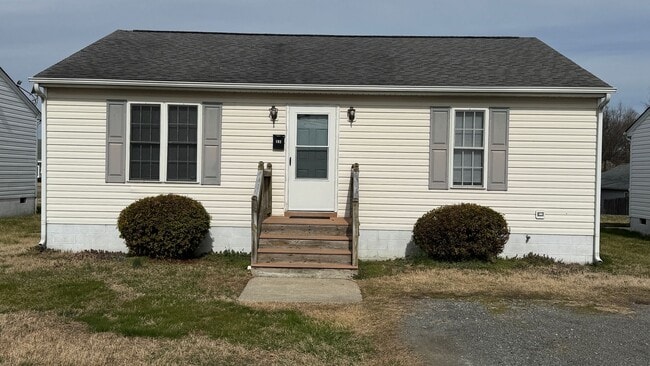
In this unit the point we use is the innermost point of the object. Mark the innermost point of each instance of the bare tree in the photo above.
(616, 147)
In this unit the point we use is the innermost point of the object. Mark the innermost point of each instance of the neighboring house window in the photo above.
(163, 142)
(468, 151)
(468, 148)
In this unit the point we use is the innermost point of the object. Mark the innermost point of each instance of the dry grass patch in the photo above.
(376, 320)
(47, 339)
(589, 288)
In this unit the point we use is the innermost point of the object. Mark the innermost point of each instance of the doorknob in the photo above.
(290, 161)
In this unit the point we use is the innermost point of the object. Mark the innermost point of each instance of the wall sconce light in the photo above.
(273, 114)
(351, 114)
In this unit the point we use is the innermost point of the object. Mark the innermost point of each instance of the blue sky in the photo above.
(609, 38)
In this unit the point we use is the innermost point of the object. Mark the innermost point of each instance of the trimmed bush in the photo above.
(165, 226)
(460, 232)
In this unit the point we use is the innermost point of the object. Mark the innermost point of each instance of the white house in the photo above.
(505, 122)
(639, 136)
(18, 120)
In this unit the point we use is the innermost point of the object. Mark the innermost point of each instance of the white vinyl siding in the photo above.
(17, 145)
(78, 194)
(640, 171)
(551, 159)
(551, 165)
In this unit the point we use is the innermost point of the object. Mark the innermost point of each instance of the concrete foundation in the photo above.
(14, 207)
(373, 244)
(641, 225)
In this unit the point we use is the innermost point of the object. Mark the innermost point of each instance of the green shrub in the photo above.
(460, 232)
(165, 226)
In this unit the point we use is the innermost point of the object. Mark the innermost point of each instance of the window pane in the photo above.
(311, 162)
(312, 130)
(144, 149)
(182, 144)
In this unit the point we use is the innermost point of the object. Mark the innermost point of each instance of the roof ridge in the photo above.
(320, 35)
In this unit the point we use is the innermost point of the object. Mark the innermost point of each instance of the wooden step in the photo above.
(318, 251)
(281, 240)
(305, 265)
(303, 227)
(281, 220)
(304, 255)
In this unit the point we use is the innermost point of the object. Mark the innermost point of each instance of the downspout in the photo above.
(602, 102)
(42, 93)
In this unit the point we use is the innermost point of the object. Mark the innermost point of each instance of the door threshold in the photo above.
(310, 214)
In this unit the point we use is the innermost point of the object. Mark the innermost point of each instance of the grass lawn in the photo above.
(102, 308)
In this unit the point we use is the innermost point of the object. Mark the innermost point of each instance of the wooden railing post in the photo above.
(257, 211)
(355, 214)
(268, 174)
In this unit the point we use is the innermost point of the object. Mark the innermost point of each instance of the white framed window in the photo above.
(163, 142)
(468, 141)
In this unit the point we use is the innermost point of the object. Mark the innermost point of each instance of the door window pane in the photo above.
(312, 130)
(311, 162)
(312, 146)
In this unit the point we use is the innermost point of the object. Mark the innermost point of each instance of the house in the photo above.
(614, 187)
(639, 136)
(505, 122)
(18, 121)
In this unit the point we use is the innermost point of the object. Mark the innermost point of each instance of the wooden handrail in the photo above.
(261, 205)
(354, 182)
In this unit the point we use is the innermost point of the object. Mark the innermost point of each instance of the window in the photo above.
(168, 142)
(468, 151)
(182, 143)
(172, 154)
(145, 142)
(468, 148)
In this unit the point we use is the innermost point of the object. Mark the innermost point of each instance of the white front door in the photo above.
(311, 163)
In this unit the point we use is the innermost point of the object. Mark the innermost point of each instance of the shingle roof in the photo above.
(617, 178)
(327, 60)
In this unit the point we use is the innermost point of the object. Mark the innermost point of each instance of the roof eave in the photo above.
(642, 117)
(321, 88)
(21, 95)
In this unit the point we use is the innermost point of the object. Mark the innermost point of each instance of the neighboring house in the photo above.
(639, 136)
(614, 186)
(505, 122)
(18, 120)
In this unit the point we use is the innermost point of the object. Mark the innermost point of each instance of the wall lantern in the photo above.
(351, 114)
(273, 114)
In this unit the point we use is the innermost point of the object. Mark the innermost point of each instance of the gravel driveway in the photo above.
(449, 332)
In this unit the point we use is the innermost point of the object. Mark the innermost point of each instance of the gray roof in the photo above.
(617, 178)
(324, 60)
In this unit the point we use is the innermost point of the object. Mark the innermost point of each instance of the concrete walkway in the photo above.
(310, 290)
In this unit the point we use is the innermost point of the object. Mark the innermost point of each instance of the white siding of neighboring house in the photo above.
(17, 152)
(552, 160)
(640, 177)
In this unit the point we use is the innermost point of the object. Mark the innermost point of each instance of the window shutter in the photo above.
(498, 150)
(211, 167)
(115, 141)
(439, 148)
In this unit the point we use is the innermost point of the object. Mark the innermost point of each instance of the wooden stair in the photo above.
(305, 240)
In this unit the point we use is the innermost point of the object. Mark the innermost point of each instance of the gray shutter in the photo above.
(498, 150)
(439, 148)
(211, 166)
(115, 141)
